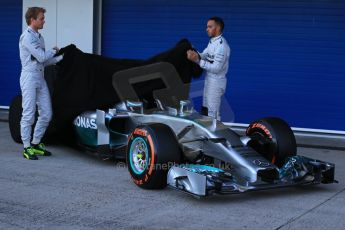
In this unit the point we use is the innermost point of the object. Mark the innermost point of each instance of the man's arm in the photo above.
(218, 62)
(35, 50)
(203, 54)
(53, 60)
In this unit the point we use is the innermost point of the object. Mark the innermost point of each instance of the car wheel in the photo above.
(273, 138)
(152, 149)
(14, 117)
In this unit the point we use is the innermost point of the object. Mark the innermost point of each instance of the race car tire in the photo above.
(151, 151)
(14, 117)
(273, 138)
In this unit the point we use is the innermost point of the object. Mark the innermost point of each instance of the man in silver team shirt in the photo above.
(34, 58)
(215, 60)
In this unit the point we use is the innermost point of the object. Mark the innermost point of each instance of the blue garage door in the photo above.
(287, 57)
(11, 27)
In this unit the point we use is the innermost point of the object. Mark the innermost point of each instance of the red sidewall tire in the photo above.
(161, 152)
(283, 142)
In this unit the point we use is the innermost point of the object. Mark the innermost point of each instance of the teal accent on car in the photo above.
(201, 168)
(138, 154)
(86, 136)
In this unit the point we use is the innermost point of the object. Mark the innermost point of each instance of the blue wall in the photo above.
(287, 57)
(11, 28)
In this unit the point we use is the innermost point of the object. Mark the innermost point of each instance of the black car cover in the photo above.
(84, 81)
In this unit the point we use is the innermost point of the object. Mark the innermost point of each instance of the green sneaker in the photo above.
(40, 149)
(29, 154)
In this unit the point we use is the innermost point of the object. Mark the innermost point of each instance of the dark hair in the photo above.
(219, 21)
(33, 12)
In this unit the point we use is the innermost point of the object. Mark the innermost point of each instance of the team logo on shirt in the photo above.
(209, 56)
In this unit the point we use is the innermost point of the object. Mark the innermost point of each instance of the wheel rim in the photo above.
(138, 155)
(270, 156)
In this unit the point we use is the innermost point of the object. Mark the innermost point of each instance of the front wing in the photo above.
(202, 180)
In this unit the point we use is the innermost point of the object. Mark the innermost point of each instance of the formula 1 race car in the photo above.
(172, 144)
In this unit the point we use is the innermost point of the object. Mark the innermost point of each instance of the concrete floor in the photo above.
(73, 190)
